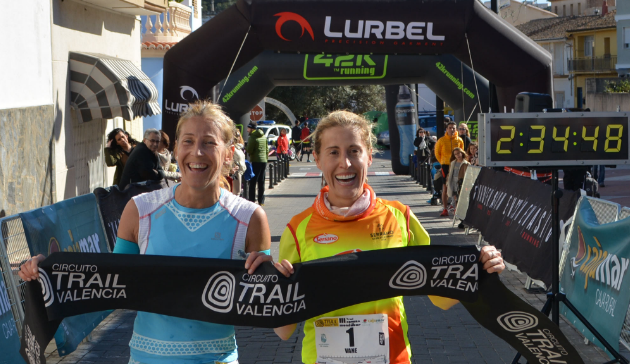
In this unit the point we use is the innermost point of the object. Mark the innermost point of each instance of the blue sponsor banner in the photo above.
(72, 225)
(9, 339)
(595, 276)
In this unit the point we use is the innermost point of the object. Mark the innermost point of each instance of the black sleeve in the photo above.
(149, 167)
(417, 142)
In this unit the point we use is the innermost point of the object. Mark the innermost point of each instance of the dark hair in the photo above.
(165, 139)
(451, 123)
(420, 130)
(112, 137)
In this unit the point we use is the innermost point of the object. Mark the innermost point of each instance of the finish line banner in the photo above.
(595, 276)
(514, 214)
(221, 291)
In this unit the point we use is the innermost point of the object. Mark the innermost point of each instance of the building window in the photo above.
(557, 10)
(558, 58)
(607, 47)
(564, 10)
(579, 8)
(571, 8)
(559, 99)
(589, 43)
(626, 38)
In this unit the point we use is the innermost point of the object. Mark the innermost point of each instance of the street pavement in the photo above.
(436, 336)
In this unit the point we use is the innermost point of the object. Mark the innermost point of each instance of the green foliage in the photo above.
(219, 5)
(317, 101)
(621, 86)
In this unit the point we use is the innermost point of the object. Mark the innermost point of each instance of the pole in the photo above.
(271, 176)
(439, 116)
(555, 255)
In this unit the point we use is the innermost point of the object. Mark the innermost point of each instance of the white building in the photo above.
(52, 145)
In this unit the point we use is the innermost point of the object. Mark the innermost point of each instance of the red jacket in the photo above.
(305, 133)
(283, 145)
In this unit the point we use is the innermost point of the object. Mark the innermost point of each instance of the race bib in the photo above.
(355, 339)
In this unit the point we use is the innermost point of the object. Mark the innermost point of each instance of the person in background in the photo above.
(464, 133)
(348, 207)
(119, 146)
(296, 131)
(599, 173)
(443, 152)
(473, 154)
(458, 160)
(422, 147)
(282, 147)
(239, 164)
(258, 150)
(170, 170)
(143, 164)
(306, 143)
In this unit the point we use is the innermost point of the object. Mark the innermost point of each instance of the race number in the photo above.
(352, 339)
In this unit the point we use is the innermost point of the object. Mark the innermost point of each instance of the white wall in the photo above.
(82, 28)
(25, 71)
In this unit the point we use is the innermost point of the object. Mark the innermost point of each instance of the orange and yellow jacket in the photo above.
(318, 233)
(444, 148)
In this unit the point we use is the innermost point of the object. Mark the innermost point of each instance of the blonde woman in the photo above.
(464, 133)
(180, 221)
(239, 164)
(343, 144)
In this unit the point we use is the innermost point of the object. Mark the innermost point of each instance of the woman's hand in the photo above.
(29, 270)
(284, 267)
(255, 259)
(491, 259)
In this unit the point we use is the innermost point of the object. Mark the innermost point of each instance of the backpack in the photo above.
(591, 187)
(249, 171)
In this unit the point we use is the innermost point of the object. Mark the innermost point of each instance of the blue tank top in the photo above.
(167, 228)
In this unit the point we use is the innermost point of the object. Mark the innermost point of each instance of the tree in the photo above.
(317, 101)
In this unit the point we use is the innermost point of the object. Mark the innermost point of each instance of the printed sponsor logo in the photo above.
(219, 292)
(344, 66)
(395, 30)
(178, 107)
(240, 84)
(288, 16)
(323, 338)
(455, 80)
(540, 342)
(183, 90)
(449, 272)
(517, 321)
(598, 264)
(78, 282)
(412, 275)
(325, 238)
(382, 235)
(47, 292)
(32, 347)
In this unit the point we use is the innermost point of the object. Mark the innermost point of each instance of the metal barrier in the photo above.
(13, 251)
(625, 212)
(271, 176)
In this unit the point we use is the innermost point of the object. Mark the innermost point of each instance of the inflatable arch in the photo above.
(229, 43)
(282, 107)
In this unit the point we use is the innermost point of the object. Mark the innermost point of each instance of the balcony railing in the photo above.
(171, 26)
(593, 64)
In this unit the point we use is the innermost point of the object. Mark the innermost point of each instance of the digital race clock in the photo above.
(553, 139)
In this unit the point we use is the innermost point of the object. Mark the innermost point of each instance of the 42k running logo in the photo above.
(287, 16)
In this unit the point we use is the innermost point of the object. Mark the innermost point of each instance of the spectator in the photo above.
(599, 173)
(258, 150)
(239, 164)
(443, 152)
(119, 146)
(473, 154)
(143, 164)
(464, 133)
(170, 170)
(424, 144)
(458, 161)
(282, 147)
(296, 131)
(306, 143)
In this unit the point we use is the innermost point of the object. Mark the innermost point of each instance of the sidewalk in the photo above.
(436, 336)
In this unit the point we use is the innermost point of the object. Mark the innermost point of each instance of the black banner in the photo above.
(112, 202)
(514, 214)
(222, 291)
